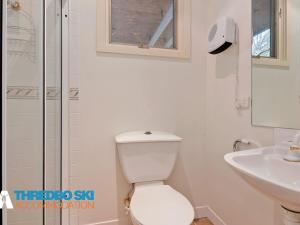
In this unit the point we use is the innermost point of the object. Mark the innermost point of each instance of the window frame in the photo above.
(183, 33)
(281, 60)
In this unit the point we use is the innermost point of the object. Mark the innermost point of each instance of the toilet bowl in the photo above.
(159, 204)
(147, 159)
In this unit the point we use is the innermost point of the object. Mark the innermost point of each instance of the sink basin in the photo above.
(267, 171)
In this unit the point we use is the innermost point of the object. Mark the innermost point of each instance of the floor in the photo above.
(203, 221)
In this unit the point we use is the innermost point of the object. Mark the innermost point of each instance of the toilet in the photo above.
(147, 160)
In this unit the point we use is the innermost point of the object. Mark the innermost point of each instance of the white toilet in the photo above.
(147, 159)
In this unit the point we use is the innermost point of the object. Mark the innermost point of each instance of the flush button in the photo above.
(148, 133)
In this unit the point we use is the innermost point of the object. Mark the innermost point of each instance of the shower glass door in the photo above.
(31, 78)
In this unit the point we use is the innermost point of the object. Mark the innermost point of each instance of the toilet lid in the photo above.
(161, 205)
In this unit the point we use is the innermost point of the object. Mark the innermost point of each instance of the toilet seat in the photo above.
(160, 205)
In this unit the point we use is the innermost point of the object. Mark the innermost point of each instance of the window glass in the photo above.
(264, 43)
(143, 23)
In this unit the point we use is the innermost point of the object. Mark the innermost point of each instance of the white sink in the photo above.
(266, 170)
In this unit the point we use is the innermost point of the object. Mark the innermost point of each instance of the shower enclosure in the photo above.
(31, 105)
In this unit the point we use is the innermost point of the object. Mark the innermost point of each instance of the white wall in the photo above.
(122, 93)
(234, 200)
(193, 98)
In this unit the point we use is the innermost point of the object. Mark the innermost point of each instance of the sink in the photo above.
(267, 171)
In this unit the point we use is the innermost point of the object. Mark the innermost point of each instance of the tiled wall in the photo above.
(284, 135)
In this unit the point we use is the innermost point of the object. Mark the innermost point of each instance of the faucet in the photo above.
(293, 154)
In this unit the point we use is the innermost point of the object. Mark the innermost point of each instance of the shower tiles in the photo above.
(28, 92)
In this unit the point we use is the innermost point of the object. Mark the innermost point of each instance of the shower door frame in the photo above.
(65, 214)
(64, 100)
(3, 104)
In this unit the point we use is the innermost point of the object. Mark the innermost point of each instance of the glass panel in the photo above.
(24, 121)
(264, 28)
(53, 105)
(144, 23)
(33, 121)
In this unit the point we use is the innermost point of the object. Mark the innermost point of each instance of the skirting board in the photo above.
(110, 222)
(206, 211)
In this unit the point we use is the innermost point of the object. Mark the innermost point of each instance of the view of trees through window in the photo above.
(261, 44)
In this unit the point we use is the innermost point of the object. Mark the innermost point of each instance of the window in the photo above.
(144, 27)
(269, 32)
(143, 23)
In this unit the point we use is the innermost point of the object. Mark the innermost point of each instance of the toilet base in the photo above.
(167, 206)
(290, 217)
(134, 221)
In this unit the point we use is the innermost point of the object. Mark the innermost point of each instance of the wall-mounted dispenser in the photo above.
(222, 35)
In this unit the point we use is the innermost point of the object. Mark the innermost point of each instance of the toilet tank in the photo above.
(147, 156)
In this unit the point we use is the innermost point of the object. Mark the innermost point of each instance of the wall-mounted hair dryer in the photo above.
(222, 35)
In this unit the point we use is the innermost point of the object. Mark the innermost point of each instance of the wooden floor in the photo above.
(203, 221)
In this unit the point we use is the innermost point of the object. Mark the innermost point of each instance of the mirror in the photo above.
(276, 63)
(143, 23)
(144, 27)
